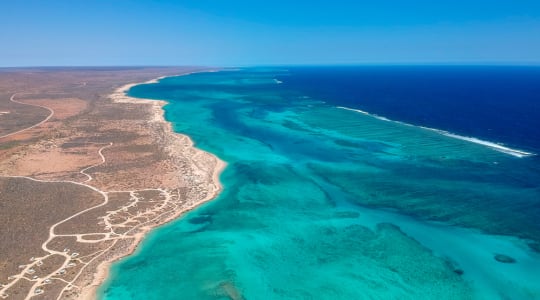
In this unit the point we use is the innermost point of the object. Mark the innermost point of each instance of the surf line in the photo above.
(494, 146)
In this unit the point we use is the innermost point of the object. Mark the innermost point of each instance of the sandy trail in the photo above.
(12, 99)
(100, 152)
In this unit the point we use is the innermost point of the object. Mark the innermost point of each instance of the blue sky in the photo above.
(219, 32)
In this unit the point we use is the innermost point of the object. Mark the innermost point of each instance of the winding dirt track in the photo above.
(12, 99)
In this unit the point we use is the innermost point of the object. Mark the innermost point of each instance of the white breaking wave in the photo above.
(278, 81)
(372, 115)
(494, 146)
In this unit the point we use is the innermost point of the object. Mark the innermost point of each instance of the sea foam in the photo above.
(492, 145)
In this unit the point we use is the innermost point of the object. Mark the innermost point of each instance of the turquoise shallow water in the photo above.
(325, 203)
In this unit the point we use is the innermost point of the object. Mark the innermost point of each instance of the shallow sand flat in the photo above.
(86, 174)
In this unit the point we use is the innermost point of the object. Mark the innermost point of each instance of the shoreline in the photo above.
(119, 95)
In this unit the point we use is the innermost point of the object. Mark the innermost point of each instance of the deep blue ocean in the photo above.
(352, 183)
(494, 103)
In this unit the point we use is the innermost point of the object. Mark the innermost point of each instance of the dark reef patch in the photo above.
(505, 259)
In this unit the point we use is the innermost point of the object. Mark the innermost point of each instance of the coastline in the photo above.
(119, 95)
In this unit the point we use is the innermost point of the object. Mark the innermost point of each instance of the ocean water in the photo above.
(322, 200)
(500, 104)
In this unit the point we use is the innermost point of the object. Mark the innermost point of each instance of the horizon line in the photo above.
(457, 64)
